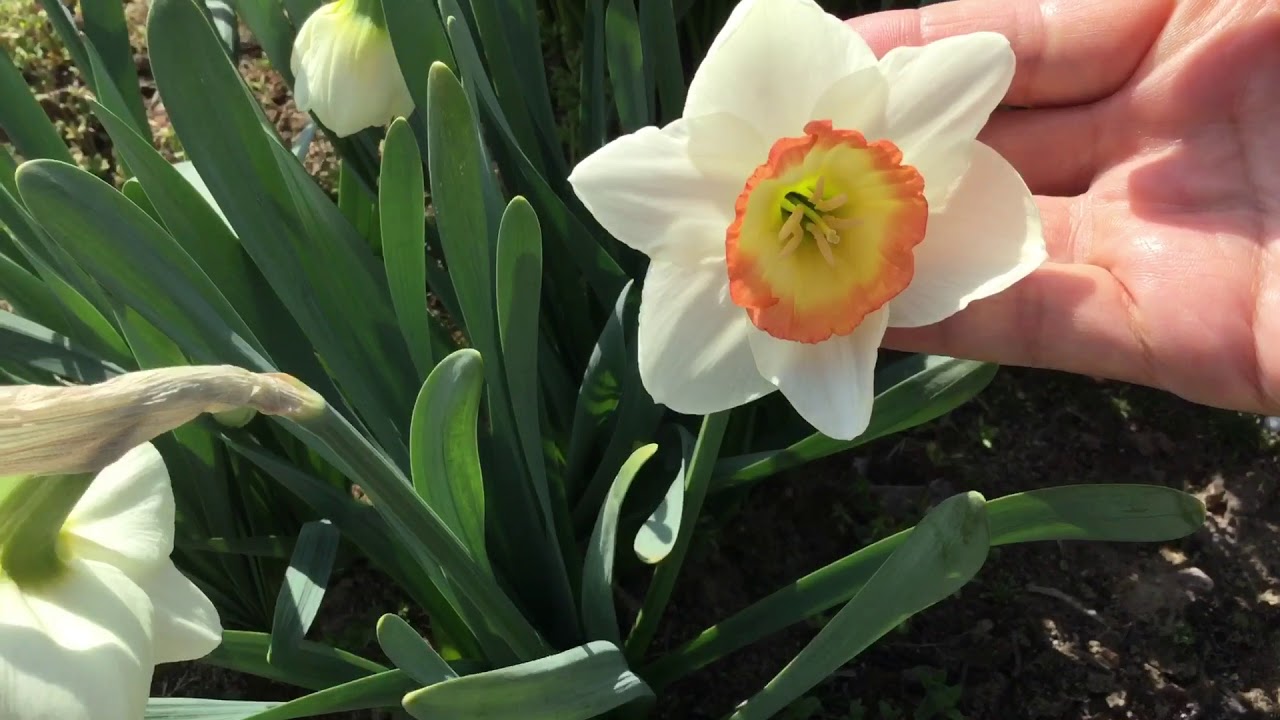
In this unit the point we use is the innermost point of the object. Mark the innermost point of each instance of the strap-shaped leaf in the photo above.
(662, 47)
(443, 451)
(599, 616)
(314, 666)
(939, 557)
(36, 346)
(625, 52)
(305, 581)
(657, 536)
(23, 120)
(107, 33)
(138, 262)
(577, 684)
(1128, 513)
(913, 391)
(409, 652)
(465, 197)
(310, 255)
(402, 217)
(204, 709)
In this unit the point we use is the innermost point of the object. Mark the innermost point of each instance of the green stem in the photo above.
(697, 480)
(32, 514)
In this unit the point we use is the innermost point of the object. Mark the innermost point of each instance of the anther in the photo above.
(792, 225)
(791, 245)
(831, 203)
(840, 223)
(824, 246)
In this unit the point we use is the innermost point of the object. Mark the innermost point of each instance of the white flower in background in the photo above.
(810, 197)
(345, 70)
(82, 629)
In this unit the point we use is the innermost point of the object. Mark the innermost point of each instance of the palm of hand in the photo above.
(1150, 132)
(1185, 217)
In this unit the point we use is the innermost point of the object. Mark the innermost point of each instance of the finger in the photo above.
(1058, 151)
(1068, 51)
(1061, 317)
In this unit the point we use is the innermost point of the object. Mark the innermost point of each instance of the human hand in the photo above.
(1150, 132)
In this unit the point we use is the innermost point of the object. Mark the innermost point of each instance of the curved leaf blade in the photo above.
(304, 585)
(138, 262)
(941, 555)
(599, 616)
(409, 652)
(444, 455)
(577, 684)
(657, 536)
(402, 219)
(915, 390)
(1072, 512)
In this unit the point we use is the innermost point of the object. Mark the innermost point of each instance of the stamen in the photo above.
(831, 203)
(824, 246)
(840, 223)
(791, 246)
(817, 190)
(792, 225)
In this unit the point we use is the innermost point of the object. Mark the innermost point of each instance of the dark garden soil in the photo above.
(1184, 630)
(1066, 631)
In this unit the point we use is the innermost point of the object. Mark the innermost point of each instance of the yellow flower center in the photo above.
(824, 233)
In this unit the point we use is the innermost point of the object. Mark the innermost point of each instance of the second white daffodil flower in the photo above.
(82, 628)
(345, 70)
(810, 197)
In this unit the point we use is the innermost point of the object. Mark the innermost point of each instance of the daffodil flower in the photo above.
(89, 606)
(810, 197)
(345, 70)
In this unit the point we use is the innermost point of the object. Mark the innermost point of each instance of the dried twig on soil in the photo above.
(1059, 595)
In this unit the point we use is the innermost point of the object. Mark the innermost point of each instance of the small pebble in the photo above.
(1195, 581)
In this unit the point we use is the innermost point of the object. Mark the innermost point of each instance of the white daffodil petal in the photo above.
(670, 192)
(126, 516)
(345, 70)
(940, 96)
(78, 649)
(831, 383)
(856, 102)
(186, 624)
(772, 61)
(692, 345)
(988, 238)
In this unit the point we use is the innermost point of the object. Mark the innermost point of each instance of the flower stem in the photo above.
(697, 480)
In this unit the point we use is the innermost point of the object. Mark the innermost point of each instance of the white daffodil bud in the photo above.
(90, 602)
(345, 70)
(77, 429)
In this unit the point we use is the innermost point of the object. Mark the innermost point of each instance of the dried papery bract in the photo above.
(83, 428)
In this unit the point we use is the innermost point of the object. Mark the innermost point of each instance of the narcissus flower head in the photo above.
(345, 70)
(91, 603)
(810, 197)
